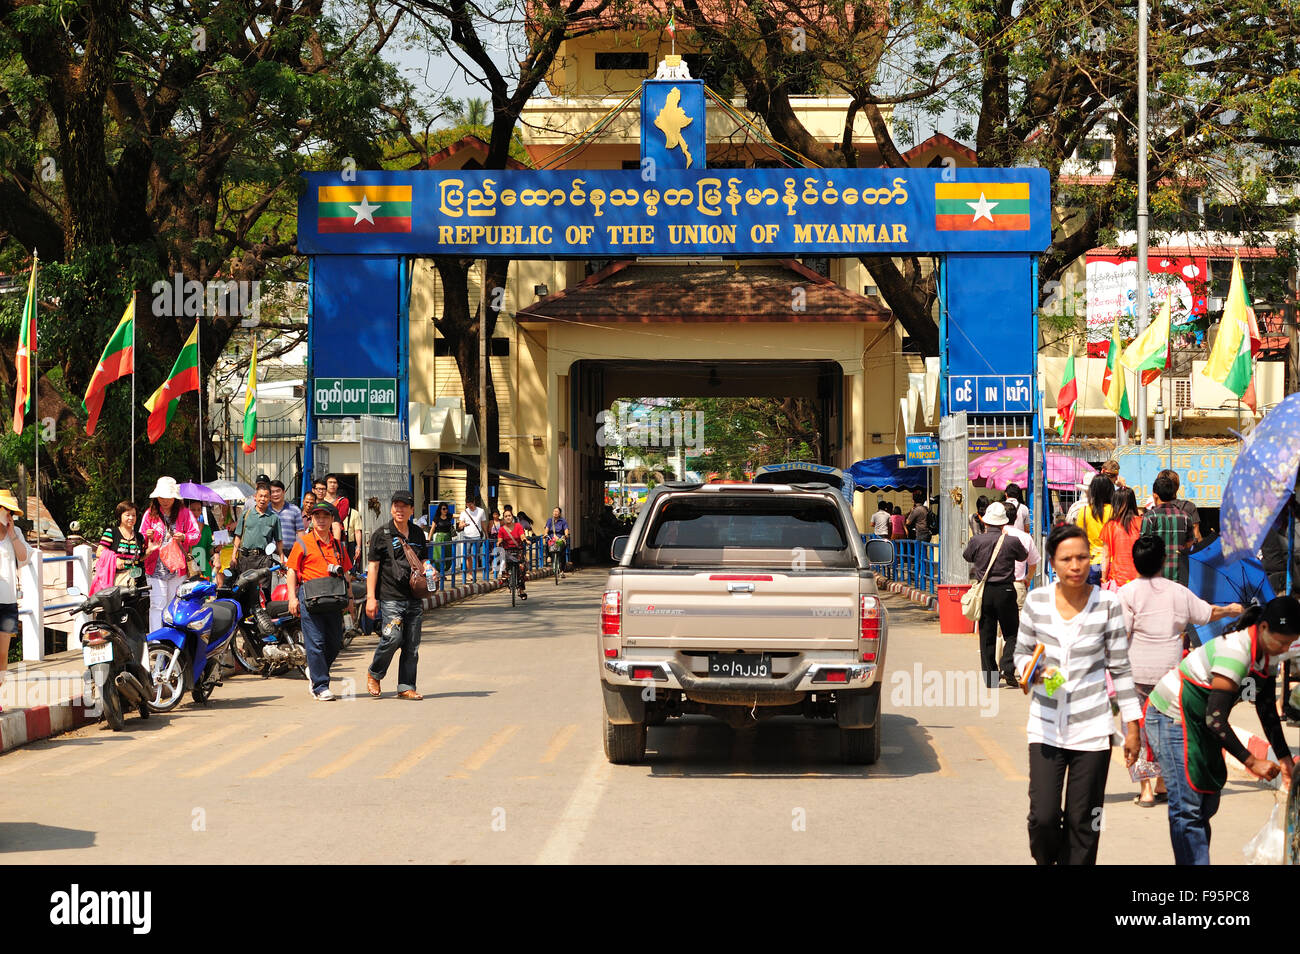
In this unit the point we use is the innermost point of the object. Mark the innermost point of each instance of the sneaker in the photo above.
(324, 696)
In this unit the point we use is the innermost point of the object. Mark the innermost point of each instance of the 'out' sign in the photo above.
(352, 397)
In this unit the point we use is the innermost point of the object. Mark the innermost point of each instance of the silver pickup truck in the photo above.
(743, 601)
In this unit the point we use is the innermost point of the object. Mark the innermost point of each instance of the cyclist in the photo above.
(510, 537)
(557, 537)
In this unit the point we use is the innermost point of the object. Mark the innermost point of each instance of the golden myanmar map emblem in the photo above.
(672, 119)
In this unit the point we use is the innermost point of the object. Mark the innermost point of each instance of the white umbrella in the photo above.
(235, 491)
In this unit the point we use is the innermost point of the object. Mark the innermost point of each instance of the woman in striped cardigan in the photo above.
(1081, 628)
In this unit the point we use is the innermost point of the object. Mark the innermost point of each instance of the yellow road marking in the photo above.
(489, 749)
(945, 767)
(238, 752)
(558, 742)
(183, 749)
(295, 753)
(414, 758)
(121, 748)
(343, 761)
(997, 755)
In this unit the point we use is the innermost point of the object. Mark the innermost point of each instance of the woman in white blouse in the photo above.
(13, 554)
(1081, 628)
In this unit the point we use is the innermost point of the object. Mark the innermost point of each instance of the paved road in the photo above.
(502, 762)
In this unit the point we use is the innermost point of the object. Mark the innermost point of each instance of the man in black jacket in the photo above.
(999, 607)
(388, 593)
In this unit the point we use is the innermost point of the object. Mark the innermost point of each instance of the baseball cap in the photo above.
(263, 479)
(1282, 615)
(328, 508)
(404, 496)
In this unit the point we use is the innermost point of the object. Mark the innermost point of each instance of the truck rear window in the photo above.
(749, 522)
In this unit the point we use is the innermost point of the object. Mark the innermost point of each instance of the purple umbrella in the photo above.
(199, 492)
(1262, 480)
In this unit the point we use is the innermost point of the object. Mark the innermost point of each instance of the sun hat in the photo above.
(167, 487)
(995, 515)
(9, 502)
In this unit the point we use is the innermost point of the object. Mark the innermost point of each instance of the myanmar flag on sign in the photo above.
(25, 358)
(1231, 360)
(359, 209)
(118, 360)
(250, 405)
(184, 377)
(981, 206)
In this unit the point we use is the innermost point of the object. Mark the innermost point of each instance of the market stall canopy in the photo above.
(887, 473)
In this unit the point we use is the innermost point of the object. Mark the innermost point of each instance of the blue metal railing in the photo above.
(470, 561)
(916, 563)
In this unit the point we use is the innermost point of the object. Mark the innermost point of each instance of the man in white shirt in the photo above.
(472, 520)
(1021, 521)
(880, 520)
(1025, 569)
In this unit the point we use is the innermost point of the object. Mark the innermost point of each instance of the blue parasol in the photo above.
(1219, 581)
(1262, 480)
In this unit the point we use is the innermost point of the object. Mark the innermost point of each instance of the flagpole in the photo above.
(36, 390)
(198, 362)
(135, 316)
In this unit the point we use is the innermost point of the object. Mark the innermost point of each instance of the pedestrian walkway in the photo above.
(50, 696)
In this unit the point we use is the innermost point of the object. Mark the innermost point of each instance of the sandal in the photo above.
(1162, 798)
(1141, 804)
(410, 694)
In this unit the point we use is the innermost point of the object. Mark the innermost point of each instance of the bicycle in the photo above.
(557, 548)
(513, 571)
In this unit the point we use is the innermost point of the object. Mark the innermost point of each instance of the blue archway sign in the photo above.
(987, 227)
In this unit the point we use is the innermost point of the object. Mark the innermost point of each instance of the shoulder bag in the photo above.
(329, 594)
(418, 582)
(972, 602)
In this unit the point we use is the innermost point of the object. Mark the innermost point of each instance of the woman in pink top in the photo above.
(1156, 612)
(897, 525)
(165, 520)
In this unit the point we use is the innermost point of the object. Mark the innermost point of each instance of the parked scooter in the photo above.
(269, 640)
(185, 654)
(112, 642)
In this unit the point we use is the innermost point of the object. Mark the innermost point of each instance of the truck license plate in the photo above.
(733, 665)
(97, 654)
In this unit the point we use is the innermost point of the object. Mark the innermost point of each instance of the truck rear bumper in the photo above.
(811, 677)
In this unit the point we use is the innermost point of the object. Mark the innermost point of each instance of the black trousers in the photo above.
(1070, 837)
(1000, 609)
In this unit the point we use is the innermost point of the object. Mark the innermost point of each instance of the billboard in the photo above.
(1112, 293)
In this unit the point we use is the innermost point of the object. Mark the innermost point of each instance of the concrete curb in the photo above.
(20, 726)
(912, 595)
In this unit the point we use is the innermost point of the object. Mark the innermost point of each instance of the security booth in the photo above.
(749, 319)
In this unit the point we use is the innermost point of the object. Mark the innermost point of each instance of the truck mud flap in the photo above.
(857, 710)
(623, 704)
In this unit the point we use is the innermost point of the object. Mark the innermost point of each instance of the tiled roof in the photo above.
(631, 292)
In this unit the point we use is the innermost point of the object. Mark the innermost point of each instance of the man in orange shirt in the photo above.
(317, 555)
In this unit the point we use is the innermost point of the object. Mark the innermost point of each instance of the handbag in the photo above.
(329, 594)
(972, 601)
(418, 582)
(105, 573)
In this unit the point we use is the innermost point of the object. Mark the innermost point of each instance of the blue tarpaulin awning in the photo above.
(887, 473)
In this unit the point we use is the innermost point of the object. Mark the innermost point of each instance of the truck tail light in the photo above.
(870, 618)
(611, 614)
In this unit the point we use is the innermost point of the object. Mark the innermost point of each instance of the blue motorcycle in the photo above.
(185, 655)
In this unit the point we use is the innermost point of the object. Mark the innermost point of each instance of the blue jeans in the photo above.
(1190, 811)
(400, 630)
(322, 636)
